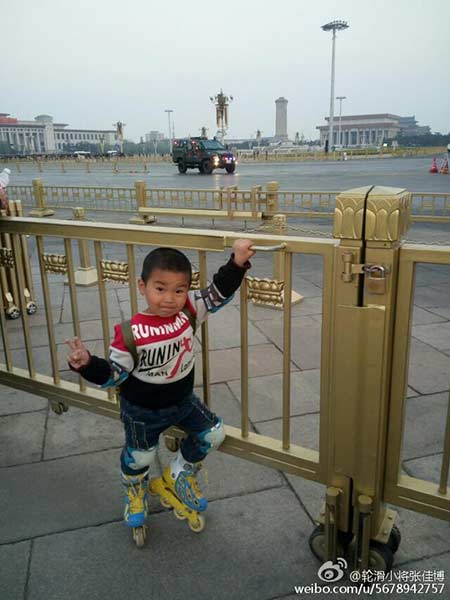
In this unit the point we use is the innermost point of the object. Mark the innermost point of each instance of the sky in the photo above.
(90, 63)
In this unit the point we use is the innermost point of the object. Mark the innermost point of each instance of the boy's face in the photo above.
(165, 291)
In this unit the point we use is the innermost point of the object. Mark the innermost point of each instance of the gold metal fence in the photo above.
(285, 455)
(429, 497)
(367, 276)
(258, 202)
(90, 197)
(138, 164)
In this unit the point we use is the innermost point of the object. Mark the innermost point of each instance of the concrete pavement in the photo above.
(61, 532)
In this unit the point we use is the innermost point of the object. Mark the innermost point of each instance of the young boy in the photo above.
(156, 387)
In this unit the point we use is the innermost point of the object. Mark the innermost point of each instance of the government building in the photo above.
(43, 136)
(369, 130)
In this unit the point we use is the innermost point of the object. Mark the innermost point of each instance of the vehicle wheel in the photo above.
(317, 543)
(381, 557)
(200, 169)
(394, 539)
(13, 313)
(31, 308)
(182, 168)
(207, 167)
(230, 168)
(59, 407)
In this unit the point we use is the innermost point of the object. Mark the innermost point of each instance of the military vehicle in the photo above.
(202, 154)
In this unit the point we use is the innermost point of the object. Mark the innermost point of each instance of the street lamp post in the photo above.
(169, 111)
(333, 26)
(340, 98)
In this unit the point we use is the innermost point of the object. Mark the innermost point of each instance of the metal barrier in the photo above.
(367, 283)
(401, 489)
(426, 206)
(10, 290)
(138, 164)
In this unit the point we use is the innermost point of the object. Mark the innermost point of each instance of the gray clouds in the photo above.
(92, 63)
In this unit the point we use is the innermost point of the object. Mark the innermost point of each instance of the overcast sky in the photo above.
(90, 63)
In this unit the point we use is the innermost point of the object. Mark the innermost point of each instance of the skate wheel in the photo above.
(179, 514)
(151, 491)
(165, 503)
(172, 443)
(139, 536)
(198, 525)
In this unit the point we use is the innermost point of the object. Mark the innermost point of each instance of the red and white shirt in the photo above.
(164, 345)
(164, 373)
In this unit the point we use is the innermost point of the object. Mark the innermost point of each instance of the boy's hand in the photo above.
(79, 356)
(242, 252)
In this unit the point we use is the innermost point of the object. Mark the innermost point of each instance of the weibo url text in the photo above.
(373, 588)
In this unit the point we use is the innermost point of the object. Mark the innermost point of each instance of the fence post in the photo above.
(86, 274)
(139, 218)
(279, 226)
(370, 223)
(254, 199)
(220, 198)
(272, 188)
(31, 306)
(41, 209)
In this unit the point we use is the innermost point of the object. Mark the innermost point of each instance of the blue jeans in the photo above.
(143, 426)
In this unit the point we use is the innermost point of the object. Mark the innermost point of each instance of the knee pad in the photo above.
(139, 459)
(212, 438)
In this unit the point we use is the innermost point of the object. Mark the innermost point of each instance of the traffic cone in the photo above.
(444, 167)
(434, 168)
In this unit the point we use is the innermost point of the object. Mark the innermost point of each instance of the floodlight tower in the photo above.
(169, 112)
(340, 98)
(221, 102)
(333, 26)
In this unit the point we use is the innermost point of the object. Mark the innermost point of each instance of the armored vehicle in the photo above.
(202, 154)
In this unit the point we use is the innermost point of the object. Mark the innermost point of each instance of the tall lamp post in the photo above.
(169, 111)
(333, 26)
(340, 98)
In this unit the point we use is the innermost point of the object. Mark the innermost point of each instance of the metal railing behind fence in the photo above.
(256, 202)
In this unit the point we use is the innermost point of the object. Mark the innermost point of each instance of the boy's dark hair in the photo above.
(166, 259)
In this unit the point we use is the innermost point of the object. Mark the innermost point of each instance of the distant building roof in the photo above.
(366, 117)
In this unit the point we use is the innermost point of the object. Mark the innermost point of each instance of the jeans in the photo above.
(143, 426)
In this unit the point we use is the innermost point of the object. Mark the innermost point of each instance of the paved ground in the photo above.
(411, 173)
(61, 535)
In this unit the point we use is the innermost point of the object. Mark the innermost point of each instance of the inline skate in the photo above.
(181, 493)
(136, 505)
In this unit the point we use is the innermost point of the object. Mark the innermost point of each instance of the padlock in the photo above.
(375, 279)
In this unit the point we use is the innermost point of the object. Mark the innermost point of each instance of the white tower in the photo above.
(281, 119)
